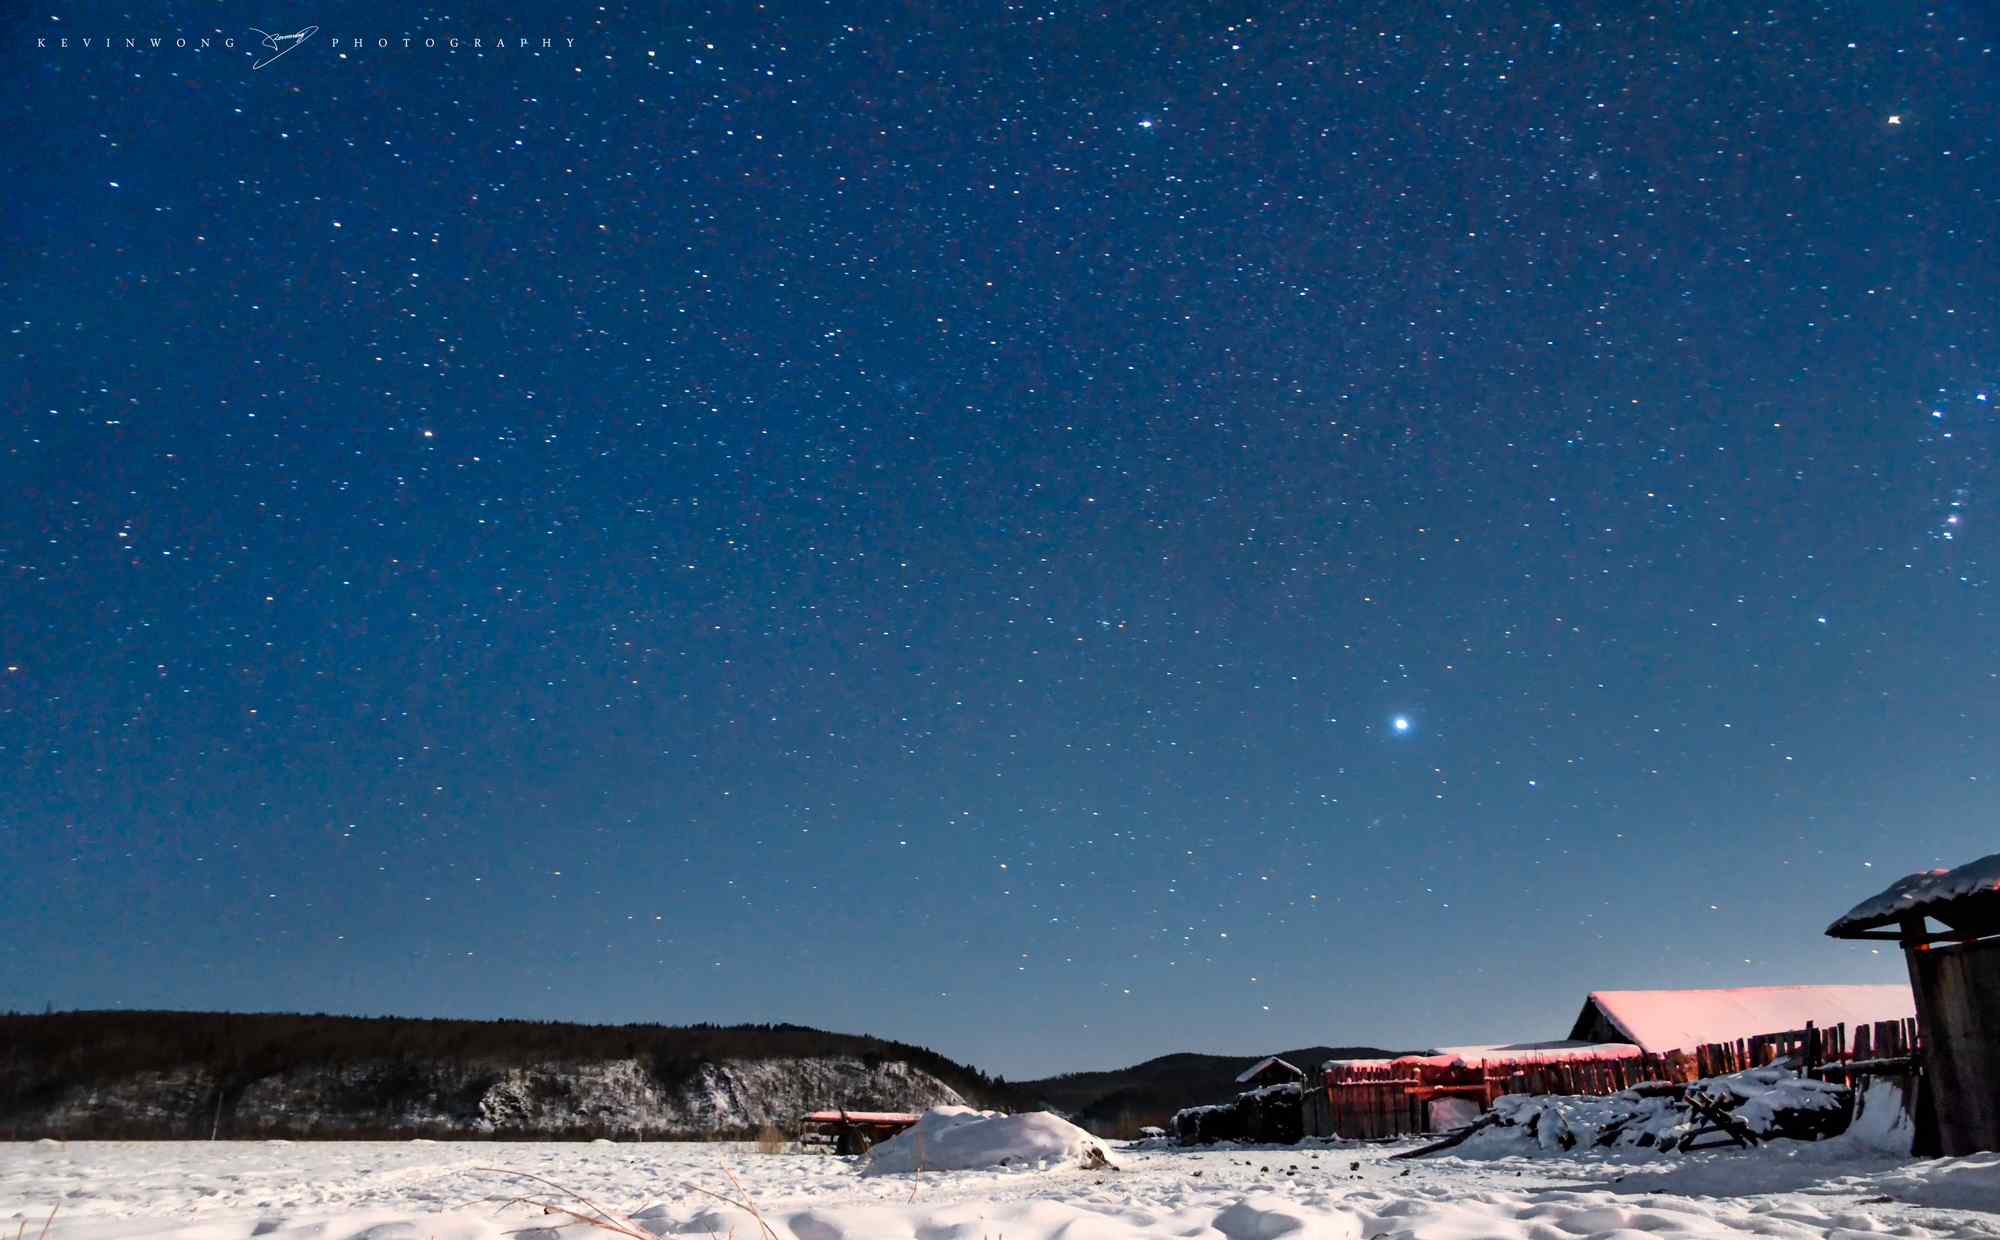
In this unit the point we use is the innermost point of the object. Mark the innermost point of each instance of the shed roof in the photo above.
(862, 1117)
(1269, 1061)
(1967, 898)
(1670, 1020)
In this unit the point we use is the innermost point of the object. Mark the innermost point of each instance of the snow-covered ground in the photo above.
(419, 1191)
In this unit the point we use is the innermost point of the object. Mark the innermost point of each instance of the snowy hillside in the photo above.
(164, 1074)
(619, 1097)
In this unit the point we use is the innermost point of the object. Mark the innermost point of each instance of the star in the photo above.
(1400, 723)
(1895, 118)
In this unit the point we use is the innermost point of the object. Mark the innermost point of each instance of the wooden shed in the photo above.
(1955, 973)
(1270, 1070)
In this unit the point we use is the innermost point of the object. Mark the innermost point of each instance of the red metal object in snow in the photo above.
(856, 1132)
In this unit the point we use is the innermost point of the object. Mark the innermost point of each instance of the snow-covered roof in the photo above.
(1269, 1061)
(1965, 898)
(1566, 1051)
(1669, 1020)
(861, 1117)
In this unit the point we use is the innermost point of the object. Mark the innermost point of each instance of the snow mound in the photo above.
(962, 1139)
(1881, 1122)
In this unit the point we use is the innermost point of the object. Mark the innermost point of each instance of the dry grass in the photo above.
(598, 1216)
(770, 1140)
(603, 1219)
(746, 1204)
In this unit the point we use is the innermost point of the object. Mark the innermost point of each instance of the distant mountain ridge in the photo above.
(1120, 1101)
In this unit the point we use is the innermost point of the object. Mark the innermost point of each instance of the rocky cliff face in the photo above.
(405, 1097)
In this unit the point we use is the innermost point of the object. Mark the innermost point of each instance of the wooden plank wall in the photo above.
(1958, 991)
(1389, 1100)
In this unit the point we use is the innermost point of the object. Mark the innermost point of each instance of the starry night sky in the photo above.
(924, 520)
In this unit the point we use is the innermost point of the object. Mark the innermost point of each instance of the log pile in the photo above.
(1740, 1109)
(1268, 1116)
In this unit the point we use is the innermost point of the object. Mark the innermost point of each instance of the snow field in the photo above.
(417, 1191)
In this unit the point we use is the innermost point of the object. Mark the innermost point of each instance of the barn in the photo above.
(1955, 974)
(1659, 1022)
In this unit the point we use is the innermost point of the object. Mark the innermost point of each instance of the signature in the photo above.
(279, 44)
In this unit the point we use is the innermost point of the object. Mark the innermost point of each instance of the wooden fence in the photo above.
(1394, 1099)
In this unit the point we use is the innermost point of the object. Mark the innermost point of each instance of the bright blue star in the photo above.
(1400, 723)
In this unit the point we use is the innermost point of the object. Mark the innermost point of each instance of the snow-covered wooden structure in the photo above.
(1955, 977)
(1660, 1022)
(1620, 1039)
(1439, 1089)
(1270, 1070)
(854, 1132)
